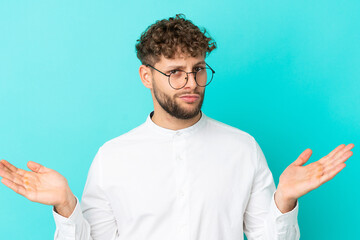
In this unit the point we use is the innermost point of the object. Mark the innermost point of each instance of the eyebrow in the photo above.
(182, 67)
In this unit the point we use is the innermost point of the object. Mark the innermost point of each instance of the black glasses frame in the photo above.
(187, 76)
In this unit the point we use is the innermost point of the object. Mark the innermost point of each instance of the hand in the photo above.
(42, 185)
(297, 180)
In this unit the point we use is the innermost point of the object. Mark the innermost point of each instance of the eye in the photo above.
(197, 69)
(173, 71)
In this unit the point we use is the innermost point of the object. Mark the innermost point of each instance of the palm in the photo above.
(297, 180)
(42, 185)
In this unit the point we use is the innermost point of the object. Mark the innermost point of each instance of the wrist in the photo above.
(66, 207)
(284, 203)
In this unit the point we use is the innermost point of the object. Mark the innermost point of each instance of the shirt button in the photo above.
(178, 158)
(178, 133)
(182, 193)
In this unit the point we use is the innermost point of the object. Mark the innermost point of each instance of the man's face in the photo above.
(184, 103)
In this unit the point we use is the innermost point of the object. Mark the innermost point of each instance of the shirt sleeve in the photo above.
(66, 228)
(93, 219)
(262, 219)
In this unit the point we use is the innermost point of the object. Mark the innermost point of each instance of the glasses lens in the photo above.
(204, 77)
(178, 79)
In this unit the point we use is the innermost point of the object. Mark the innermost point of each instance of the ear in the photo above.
(146, 76)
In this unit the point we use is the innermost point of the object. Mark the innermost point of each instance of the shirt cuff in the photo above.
(67, 225)
(284, 220)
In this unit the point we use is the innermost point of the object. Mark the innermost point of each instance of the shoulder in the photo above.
(132, 137)
(227, 132)
(232, 141)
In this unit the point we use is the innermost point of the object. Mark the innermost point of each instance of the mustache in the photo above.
(195, 92)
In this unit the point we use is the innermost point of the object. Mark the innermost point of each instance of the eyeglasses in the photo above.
(179, 78)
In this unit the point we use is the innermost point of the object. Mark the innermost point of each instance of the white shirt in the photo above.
(209, 181)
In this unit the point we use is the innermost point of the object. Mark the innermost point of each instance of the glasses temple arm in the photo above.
(210, 68)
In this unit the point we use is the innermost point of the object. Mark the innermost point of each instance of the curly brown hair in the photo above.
(169, 37)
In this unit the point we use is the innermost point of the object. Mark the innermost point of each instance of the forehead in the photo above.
(179, 60)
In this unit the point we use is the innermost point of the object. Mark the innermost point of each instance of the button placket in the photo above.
(179, 144)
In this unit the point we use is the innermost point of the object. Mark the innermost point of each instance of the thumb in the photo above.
(303, 158)
(36, 167)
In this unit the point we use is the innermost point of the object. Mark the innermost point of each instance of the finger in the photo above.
(12, 168)
(5, 173)
(303, 158)
(344, 157)
(332, 173)
(337, 149)
(36, 167)
(344, 150)
(338, 155)
(338, 161)
(4, 167)
(9, 165)
(15, 187)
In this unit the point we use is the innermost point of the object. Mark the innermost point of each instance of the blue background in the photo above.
(287, 72)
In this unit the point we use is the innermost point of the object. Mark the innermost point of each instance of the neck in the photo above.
(165, 120)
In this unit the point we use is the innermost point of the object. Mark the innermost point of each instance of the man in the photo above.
(181, 174)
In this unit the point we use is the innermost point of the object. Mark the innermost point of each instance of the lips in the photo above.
(190, 97)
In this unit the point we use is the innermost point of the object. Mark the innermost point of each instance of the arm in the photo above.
(41, 184)
(262, 217)
(297, 180)
(93, 219)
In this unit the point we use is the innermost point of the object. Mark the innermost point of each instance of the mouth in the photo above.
(189, 98)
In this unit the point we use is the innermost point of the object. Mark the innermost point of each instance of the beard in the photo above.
(173, 108)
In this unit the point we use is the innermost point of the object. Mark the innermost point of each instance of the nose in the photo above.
(191, 83)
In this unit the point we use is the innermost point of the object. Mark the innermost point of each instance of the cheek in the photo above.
(164, 90)
(161, 85)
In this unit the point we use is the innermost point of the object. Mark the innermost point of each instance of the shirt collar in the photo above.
(185, 131)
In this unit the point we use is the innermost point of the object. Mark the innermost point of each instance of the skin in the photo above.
(41, 184)
(156, 81)
(49, 187)
(297, 179)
